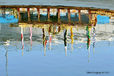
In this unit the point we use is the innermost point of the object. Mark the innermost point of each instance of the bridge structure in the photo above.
(90, 13)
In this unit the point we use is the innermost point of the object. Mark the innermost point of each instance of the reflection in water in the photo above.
(72, 40)
(88, 29)
(6, 61)
(94, 39)
(50, 37)
(44, 41)
(65, 41)
(6, 55)
(31, 35)
(56, 15)
(22, 38)
(55, 36)
(50, 31)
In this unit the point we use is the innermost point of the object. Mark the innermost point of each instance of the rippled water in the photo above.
(57, 49)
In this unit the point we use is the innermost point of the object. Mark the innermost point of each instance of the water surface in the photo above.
(57, 50)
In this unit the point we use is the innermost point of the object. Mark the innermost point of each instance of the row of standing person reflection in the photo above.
(46, 39)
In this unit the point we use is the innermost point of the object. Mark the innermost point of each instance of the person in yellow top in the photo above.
(72, 40)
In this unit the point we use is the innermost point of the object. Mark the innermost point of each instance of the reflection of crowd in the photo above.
(54, 30)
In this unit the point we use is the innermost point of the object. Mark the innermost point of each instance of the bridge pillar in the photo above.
(90, 16)
(48, 11)
(38, 11)
(28, 11)
(69, 19)
(19, 16)
(58, 10)
(79, 12)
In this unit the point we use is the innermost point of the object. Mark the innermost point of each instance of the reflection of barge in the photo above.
(56, 14)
